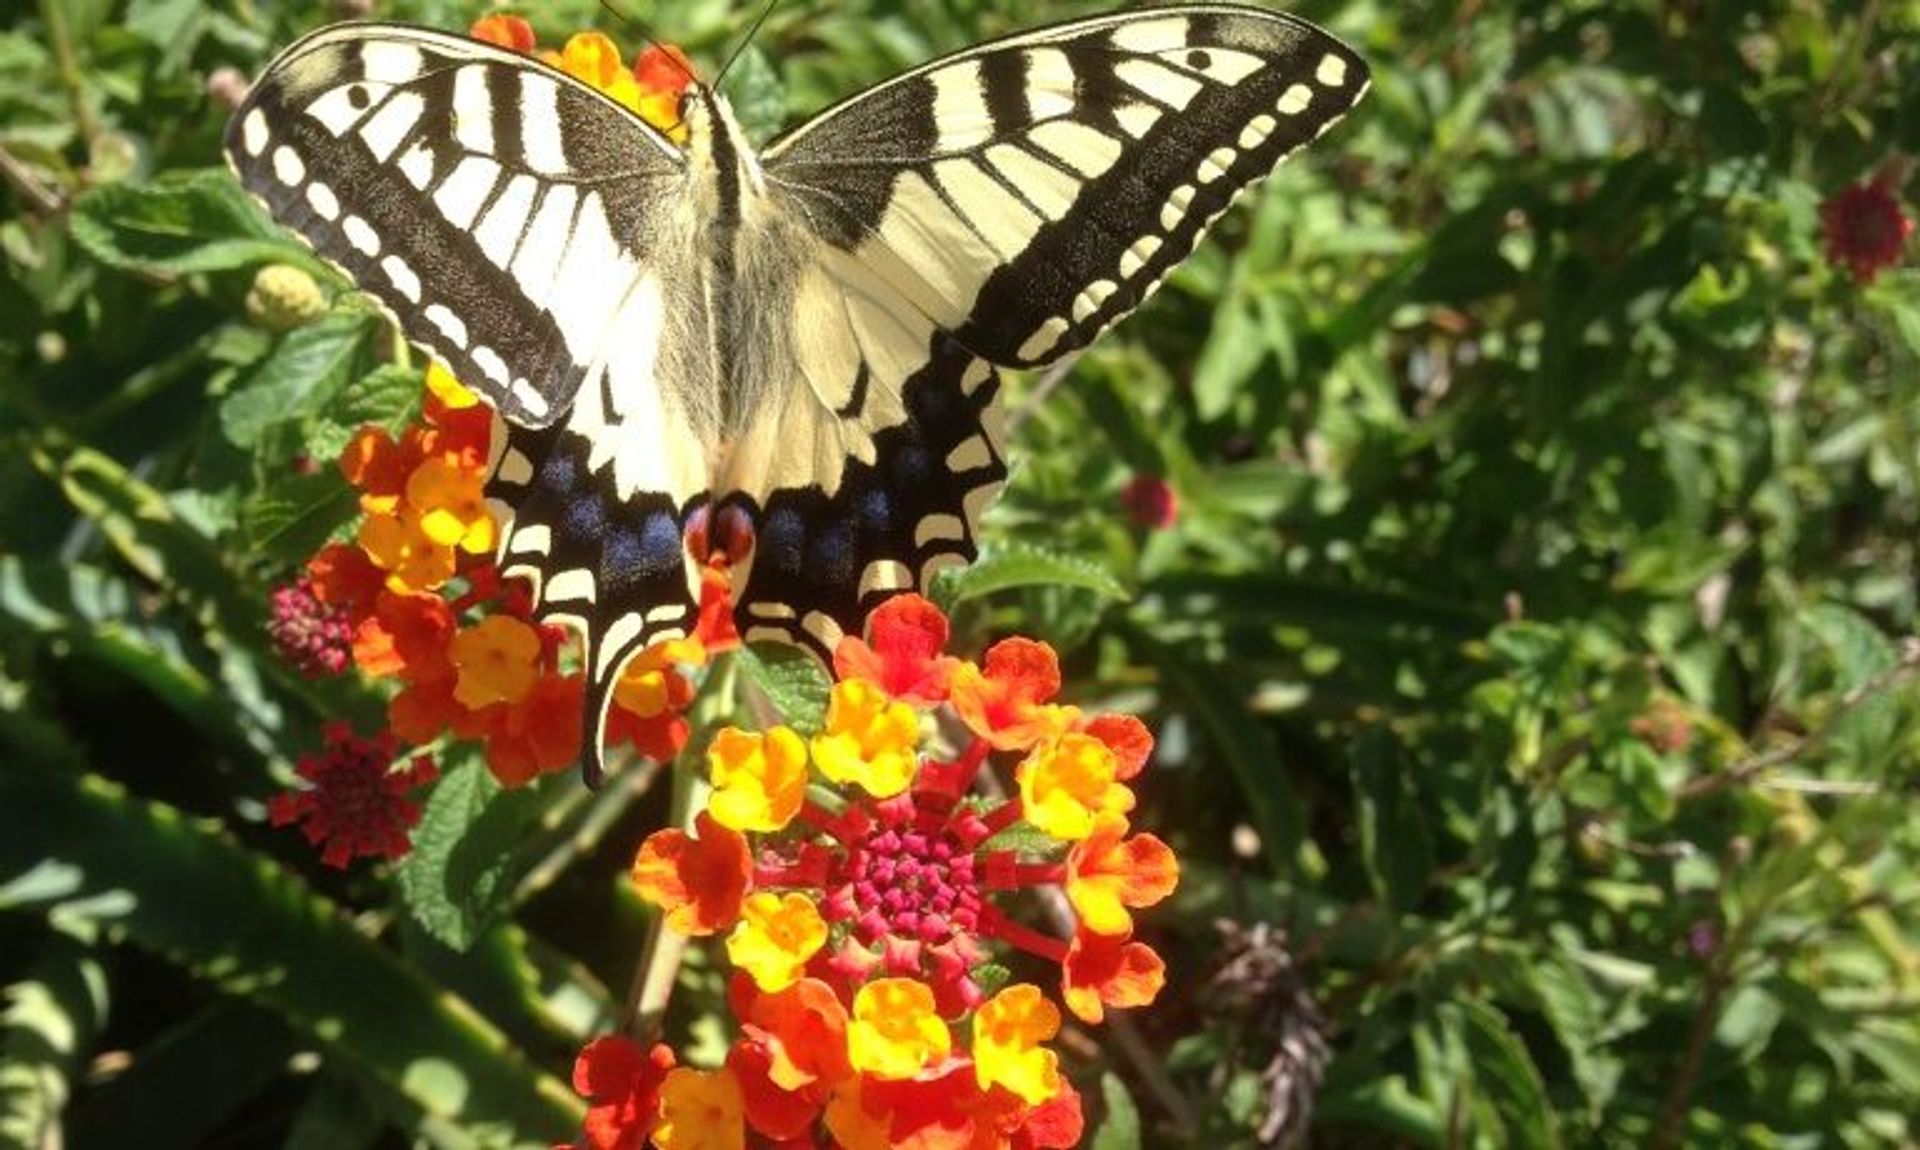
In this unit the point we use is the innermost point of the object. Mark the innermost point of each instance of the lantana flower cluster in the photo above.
(860, 883)
(415, 598)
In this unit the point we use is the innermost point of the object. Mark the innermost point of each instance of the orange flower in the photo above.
(698, 881)
(536, 736)
(1064, 784)
(804, 1028)
(774, 1111)
(378, 466)
(447, 496)
(1007, 1032)
(775, 937)
(868, 740)
(758, 780)
(344, 577)
(1107, 874)
(701, 1110)
(497, 660)
(509, 32)
(413, 560)
(1127, 737)
(1102, 970)
(1004, 702)
(895, 1031)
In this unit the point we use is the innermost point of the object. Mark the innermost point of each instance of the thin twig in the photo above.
(1051, 379)
(44, 199)
(1748, 769)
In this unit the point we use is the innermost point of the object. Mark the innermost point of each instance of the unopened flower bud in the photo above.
(284, 297)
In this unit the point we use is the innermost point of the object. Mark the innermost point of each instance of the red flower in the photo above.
(355, 803)
(308, 632)
(621, 1083)
(903, 652)
(1150, 501)
(1864, 229)
(509, 32)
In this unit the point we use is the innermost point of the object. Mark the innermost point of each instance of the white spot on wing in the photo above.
(971, 452)
(939, 529)
(254, 133)
(490, 364)
(576, 583)
(417, 165)
(529, 398)
(1137, 119)
(400, 274)
(321, 199)
(1332, 71)
(1044, 339)
(1223, 64)
(1216, 163)
(337, 110)
(448, 324)
(287, 167)
(1089, 301)
(515, 468)
(1257, 131)
(1294, 100)
(1136, 257)
(884, 575)
(361, 235)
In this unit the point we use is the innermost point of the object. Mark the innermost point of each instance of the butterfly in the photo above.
(784, 360)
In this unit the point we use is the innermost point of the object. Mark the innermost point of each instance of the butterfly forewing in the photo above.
(497, 208)
(1028, 193)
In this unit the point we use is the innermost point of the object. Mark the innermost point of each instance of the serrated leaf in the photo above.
(201, 222)
(1574, 1011)
(1010, 565)
(308, 369)
(387, 397)
(469, 848)
(293, 517)
(1120, 1130)
(794, 682)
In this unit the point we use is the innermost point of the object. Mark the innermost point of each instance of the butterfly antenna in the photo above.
(647, 35)
(752, 31)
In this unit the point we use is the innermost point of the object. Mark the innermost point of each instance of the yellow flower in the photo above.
(449, 391)
(701, 1110)
(759, 780)
(776, 936)
(452, 505)
(869, 740)
(895, 1032)
(412, 560)
(1066, 782)
(591, 58)
(650, 685)
(1007, 1032)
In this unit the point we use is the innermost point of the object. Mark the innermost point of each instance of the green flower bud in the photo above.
(283, 298)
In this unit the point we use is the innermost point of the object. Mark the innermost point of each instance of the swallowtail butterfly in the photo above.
(787, 356)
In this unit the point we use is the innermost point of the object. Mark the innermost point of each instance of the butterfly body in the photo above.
(786, 359)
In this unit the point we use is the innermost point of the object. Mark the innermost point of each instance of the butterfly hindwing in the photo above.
(1027, 193)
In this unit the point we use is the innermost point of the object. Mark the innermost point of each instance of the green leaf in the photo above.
(199, 222)
(1007, 565)
(387, 397)
(53, 1017)
(221, 1057)
(469, 849)
(290, 519)
(1121, 1128)
(1575, 1012)
(1236, 347)
(1394, 841)
(311, 365)
(190, 894)
(793, 680)
(1505, 1074)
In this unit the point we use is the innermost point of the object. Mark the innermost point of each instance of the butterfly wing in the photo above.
(518, 226)
(1001, 206)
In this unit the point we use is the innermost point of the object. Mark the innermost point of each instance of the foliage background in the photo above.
(1533, 648)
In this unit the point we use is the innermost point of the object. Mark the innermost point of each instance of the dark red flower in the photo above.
(315, 636)
(1864, 229)
(1150, 501)
(355, 803)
